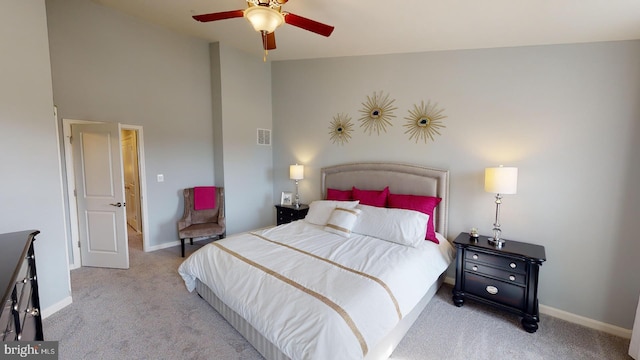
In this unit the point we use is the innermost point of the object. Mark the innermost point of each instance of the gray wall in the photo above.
(31, 191)
(114, 68)
(245, 98)
(566, 116)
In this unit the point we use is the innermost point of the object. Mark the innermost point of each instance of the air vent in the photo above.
(264, 137)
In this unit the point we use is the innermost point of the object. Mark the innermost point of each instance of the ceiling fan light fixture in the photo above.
(264, 19)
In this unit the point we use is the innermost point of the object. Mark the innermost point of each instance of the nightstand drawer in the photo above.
(505, 275)
(509, 264)
(494, 290)
(288, 213)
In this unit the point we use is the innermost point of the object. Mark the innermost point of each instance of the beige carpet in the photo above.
(146, 313)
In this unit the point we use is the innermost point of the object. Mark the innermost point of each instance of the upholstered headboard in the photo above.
(400, 178)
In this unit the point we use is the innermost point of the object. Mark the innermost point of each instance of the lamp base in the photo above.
(496, 242)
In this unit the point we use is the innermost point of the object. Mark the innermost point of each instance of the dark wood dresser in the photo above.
(505, 277)
(20, 319)
(289, 213)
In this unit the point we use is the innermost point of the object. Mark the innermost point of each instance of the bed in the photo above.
(306, 291)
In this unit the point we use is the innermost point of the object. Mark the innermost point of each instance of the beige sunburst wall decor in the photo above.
(377, 112)
(340, 129)
(424, 122)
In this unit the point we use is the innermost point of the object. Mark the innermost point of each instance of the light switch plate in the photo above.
(160, 177)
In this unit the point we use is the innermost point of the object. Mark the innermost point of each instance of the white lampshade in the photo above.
(264, 18)
(501, 180)
(296, 172)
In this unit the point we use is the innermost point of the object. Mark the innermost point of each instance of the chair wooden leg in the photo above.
(182, 243)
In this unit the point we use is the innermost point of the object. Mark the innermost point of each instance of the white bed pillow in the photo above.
(320, 210)
(405, 227)
(342, 221)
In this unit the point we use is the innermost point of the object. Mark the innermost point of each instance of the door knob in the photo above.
(117, 204)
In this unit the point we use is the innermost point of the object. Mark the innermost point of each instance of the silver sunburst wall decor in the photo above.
(377, 113)
(424, 122)
(341, 128)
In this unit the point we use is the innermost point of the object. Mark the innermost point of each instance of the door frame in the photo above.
(73, 211)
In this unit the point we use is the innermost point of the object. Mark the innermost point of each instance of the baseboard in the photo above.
(174, 243)
(573, 318)
(163, 246)
(584, 321)
(56, 307)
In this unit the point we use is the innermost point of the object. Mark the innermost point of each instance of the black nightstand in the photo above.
(505, 277)
(289, 213)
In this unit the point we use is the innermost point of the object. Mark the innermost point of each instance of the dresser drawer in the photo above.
(494, 290)
(507, 263)
(505, 275)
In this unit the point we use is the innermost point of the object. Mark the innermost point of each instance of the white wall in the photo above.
(31, 193)
(111, 67)
(567, 116)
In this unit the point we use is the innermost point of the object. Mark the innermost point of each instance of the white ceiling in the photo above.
(366, 27)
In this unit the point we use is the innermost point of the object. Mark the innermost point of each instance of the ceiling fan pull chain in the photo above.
(264, 45)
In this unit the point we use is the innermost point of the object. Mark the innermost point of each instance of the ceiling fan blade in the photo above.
(308, 24)
(219, 15)
(270, 41)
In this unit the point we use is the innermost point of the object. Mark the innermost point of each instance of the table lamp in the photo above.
(296, 172)
(500, 180)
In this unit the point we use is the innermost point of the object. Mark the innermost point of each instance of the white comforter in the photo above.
(313, 294)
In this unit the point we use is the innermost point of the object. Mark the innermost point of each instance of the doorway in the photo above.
(133, 155)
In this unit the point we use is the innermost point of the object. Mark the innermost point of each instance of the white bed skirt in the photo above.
(380, 352)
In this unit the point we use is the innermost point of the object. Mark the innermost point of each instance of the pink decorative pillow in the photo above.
(423, 204)
(371, 197)
(340, 195)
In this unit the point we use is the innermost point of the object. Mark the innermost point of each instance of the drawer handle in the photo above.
(492, 290)
(475, 256)
(512, 278)
(513, 265)
(475, 268)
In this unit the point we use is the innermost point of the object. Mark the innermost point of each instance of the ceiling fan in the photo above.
(266, 16)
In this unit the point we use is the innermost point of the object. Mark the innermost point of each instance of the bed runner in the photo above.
(370, 277)
(324, 299)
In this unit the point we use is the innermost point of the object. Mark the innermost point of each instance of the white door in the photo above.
(100, 195)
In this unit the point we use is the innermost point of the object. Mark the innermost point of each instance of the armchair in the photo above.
(201, 223)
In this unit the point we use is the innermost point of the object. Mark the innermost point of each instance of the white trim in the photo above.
(186, 242)
(164, 245)
(573, 318)
(64, 210)
(56, 307)
(584, 321)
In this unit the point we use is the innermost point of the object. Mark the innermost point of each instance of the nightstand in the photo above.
(505, 277)
(289, 213)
